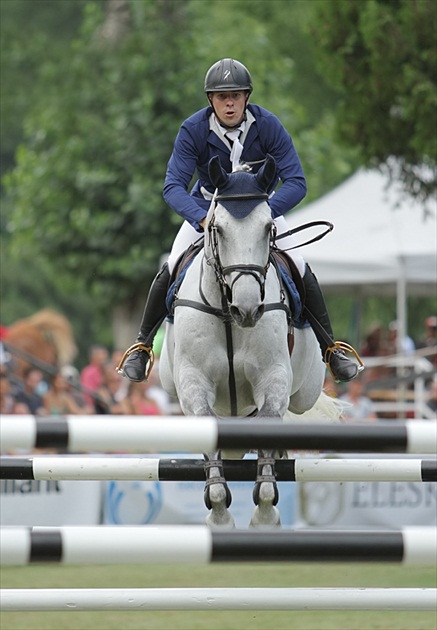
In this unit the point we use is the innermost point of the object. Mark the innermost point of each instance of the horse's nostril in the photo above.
(236, 314)
(260, 312)
(246, 319)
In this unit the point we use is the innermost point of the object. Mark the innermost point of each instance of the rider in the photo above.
(237, 131)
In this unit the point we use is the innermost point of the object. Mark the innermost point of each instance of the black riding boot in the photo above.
(155, 311)
(341, 368)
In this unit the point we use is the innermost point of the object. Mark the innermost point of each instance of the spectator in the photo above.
(142, 404)
(58, 400)
(156, 392)
(92, 376)
(407, 345)
(7, 400)
(20, 408)
(429, 339)
(374, 345)
(111, 396)
(359, 406)
(28, 396)
(74, 388)
(116, 357)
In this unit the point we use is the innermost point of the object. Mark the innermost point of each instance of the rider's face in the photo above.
(229, 107)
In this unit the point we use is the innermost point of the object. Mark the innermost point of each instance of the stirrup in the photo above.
(341, 345)
(139, 346)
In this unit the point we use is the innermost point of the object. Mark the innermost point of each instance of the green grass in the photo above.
(219, 575)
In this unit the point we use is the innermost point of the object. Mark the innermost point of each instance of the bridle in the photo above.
(256, 271)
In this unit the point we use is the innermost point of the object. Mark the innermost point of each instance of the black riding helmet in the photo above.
(228, 75)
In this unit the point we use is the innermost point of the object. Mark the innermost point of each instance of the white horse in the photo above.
(227, 354)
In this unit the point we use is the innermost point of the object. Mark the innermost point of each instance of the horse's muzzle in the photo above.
(246, 319)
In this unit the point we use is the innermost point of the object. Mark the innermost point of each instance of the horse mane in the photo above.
(53, 326)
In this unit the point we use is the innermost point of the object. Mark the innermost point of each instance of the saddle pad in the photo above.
(173, 288)
(296, 306)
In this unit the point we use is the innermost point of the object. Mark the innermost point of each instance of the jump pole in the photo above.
(206, 434)
(153, 469)
(189, 544)
(248, 599)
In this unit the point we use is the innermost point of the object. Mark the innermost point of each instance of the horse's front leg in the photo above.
(265, 492)
(217, 495)
(196, 392)
(271, 391)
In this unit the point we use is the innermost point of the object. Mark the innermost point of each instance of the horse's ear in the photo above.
(217, 174)
(267, 173)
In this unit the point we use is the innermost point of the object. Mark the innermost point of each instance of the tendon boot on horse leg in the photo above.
(341, 367)
(136, 358)
(217, 495)
(265, 493)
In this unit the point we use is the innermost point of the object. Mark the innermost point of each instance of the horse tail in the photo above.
(327, 410)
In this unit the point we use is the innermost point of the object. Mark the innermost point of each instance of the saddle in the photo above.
(289, 274)
(178, 274)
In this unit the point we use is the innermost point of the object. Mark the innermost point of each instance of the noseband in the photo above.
(256, 271)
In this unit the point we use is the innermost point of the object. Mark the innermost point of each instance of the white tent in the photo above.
(382, 243)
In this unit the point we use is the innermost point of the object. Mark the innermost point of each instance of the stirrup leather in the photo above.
(140, 347)
(341, 345)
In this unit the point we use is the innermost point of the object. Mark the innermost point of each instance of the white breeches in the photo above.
(187, 235)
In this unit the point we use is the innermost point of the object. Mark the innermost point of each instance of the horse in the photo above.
(225, 354)
(44, 339)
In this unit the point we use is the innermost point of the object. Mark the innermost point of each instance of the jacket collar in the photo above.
(217, 139)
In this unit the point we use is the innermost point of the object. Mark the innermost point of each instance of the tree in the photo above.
(380, 54)
(85, 194)
(28, 31)
(286, 79)
(88, 181)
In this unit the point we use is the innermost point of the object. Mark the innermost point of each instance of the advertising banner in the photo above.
(50, 503)
(370, 504)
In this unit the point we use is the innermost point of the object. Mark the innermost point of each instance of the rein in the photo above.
(305, 226)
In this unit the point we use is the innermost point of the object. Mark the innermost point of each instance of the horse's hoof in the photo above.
(265, 493)
(265, 519)
(223, 522)
(217, 495)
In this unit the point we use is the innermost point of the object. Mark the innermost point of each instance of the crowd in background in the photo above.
(99, 389)
(361, 394)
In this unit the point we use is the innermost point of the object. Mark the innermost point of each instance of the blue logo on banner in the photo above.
(133, 503)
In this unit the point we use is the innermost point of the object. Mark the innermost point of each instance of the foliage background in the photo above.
(93, 93)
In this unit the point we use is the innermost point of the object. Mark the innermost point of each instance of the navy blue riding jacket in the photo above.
(196, 144)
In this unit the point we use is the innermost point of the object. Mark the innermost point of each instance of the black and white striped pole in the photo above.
(189, 544)
(200, 435)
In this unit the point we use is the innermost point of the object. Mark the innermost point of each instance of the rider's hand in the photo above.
(203, 223)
